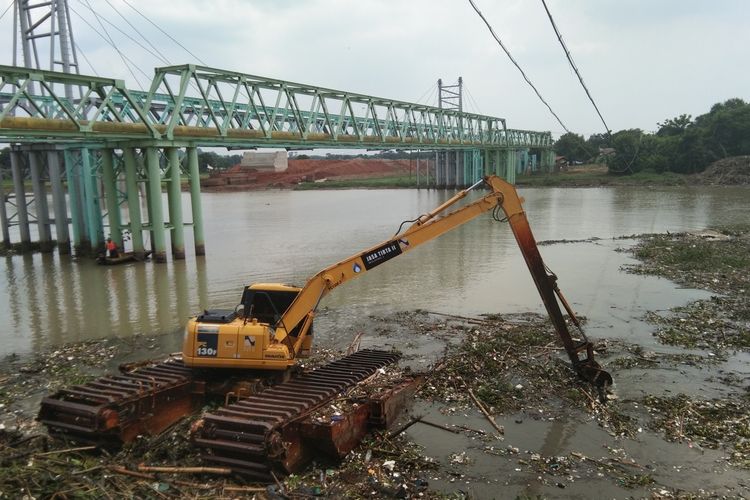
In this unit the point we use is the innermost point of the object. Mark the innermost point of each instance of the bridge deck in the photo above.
(210, 107)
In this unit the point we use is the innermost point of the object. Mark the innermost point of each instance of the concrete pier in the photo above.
(22, 214)
(59, 206)
(135, 223)
(156, 212)
(110, 195)
(195, 200)
(40, 203)
(175, 204)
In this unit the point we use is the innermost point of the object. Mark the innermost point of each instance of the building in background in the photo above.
(265, 162)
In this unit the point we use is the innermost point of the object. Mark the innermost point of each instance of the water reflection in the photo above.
(47, 300)
(288, 236)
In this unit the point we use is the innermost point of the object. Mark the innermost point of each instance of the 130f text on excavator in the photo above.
(272, 327)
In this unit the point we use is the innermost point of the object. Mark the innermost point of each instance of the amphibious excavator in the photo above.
(271, 328)
(267, 333)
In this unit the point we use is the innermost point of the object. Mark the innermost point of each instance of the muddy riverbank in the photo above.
(675, 424)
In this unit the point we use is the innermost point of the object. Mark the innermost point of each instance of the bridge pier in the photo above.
(418, 169)
(59, 206)
(109, 180)
(4, 222)
(548, 160)
(40, 201)
(16, 162)
(195, 200)
(156, 212)
(92, 211)
(175, 204)
(134, 202)
(511, 159)
(75, 195)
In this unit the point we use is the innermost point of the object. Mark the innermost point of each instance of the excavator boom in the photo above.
(262, 337)
(501, 196)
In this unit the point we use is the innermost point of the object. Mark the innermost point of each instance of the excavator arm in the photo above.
(501, 196)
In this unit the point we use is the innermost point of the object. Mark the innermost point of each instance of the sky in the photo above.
(644, 61)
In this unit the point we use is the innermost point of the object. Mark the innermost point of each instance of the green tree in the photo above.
(216, 161)
(726, 129)
(596, 141)
(691, 155)
(628, 155)
(674, 126)
(572, 146)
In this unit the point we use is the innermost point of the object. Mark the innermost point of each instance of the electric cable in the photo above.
(111, 42)
(158, 56)
(7, 9)
(477, 109)
(507, 52)
(575, 68)
(432, 97)
(418, 101)
(163, 57)
(106, 41)
(83, 54)
(164, 32)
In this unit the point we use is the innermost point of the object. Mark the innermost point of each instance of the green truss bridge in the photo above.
(109, 134)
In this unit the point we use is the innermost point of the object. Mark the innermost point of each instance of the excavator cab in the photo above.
(267, 303)
(226, 338)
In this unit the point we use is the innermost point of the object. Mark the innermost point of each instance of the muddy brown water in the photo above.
(287, 236)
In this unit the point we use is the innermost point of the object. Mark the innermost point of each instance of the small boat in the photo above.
(122, 258)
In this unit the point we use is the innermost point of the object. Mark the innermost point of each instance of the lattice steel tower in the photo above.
(43, 37)
(451, 96)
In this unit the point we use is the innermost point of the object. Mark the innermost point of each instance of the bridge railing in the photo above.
(209, 106)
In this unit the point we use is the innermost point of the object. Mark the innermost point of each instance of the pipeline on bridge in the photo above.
(114, 148)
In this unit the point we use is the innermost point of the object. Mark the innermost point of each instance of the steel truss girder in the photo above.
(212, 107)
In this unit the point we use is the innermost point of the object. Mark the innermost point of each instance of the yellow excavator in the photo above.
(272, 327)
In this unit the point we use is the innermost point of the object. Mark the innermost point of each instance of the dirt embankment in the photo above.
(238, 178)
(731, 171)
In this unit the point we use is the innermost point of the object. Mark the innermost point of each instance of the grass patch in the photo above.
(395, 181)
(599, 178)
(709, 423)
(719, 265)
(716, 264)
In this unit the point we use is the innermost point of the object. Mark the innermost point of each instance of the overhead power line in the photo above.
(424, 94)
(471, 100)
(107, 39)
(507, 52)
(164, 32)
(161, 55)
(127, 35)
(573, 65)
(80, 51)
(6, 9)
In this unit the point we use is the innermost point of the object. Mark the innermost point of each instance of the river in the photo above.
(287, 236)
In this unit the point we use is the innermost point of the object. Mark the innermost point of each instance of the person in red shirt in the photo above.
(112, 248)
